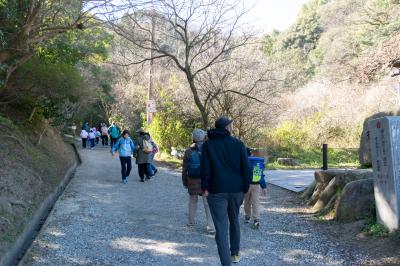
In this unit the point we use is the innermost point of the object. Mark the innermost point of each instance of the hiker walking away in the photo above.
(226, 175)
(92, 137)
(104, 134)
(84, 136)
(125, 148)
(191, 178)
(257, 188)
(143, 154)
(98, 135)
(86, 126)
(152, 168)
(114, 131)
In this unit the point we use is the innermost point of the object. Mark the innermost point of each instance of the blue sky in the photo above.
(268, 15)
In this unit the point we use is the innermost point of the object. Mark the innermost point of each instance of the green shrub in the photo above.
(171, 127)
(312, 157)
(169, 132)
(374, 229)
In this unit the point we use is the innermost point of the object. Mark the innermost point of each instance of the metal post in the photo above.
(325, 156)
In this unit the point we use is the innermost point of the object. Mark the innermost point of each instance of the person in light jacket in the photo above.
(125, 148)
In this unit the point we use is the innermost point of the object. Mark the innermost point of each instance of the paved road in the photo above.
(100, 221)
(294, 180)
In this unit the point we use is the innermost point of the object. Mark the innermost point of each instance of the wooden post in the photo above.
(325, 156)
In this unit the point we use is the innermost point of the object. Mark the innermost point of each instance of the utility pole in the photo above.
(150, 96)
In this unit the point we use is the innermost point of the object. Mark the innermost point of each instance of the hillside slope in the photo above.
(28, 173)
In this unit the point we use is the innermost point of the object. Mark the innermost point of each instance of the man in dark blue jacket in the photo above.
(226, 176)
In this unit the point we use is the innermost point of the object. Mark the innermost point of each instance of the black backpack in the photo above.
(193, 168)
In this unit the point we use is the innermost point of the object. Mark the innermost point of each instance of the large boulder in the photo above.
(364, 152)
(288, 162)
(325, 176)
(325, 192)
(356, 201)
(333, 181)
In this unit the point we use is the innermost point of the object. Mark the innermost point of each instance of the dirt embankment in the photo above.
(29, 172)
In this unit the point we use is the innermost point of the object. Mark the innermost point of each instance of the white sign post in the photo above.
(385, 149)
(151, 106)
(150, 109)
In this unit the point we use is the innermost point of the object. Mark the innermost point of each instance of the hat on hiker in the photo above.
(198, 135)
(222, 122)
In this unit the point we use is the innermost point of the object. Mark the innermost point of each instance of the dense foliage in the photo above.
(50, 61)
(333, 60)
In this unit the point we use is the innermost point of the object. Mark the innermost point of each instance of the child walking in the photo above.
(257, 188)
(125, 148)
(84, 136)
(92, 137)
(98, 135)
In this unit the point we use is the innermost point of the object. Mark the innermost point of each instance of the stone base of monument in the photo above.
(364, 152)
(346, 195)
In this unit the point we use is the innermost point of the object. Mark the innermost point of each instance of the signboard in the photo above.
(151, 106)
(385, 151)
(149, 118)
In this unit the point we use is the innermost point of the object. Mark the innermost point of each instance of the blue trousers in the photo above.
(126, 166)
(91, 141)
(151, 169)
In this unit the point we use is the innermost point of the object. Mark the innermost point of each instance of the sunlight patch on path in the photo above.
(142, 244)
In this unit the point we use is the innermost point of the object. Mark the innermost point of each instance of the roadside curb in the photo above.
(15, 255)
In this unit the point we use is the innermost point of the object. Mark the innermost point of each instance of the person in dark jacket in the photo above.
(226, 175)
(191, 178)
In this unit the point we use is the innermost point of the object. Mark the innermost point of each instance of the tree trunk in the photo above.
(199, 104)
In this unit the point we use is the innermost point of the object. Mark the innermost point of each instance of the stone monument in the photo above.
(385, 151)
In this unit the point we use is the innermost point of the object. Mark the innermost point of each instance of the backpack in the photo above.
(155, 148)
(147, 146)
(84, 134)
(114, 132)
(193, 168)
(104, 131)
(258, 172)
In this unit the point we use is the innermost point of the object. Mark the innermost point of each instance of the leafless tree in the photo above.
(246, 89)
(193, 35)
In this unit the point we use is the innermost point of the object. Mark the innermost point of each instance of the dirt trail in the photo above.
(100, 221)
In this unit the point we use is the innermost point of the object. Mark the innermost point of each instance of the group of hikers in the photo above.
(215, 167)
(92, 135)
(143, 149)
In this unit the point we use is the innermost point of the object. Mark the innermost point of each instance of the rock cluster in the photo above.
(347, 194)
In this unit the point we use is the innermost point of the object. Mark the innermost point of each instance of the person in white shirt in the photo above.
(92, 137)
(84, 135)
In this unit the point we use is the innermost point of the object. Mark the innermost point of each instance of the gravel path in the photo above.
(100, 221)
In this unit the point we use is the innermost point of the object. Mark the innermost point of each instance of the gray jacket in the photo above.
(142, 157)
